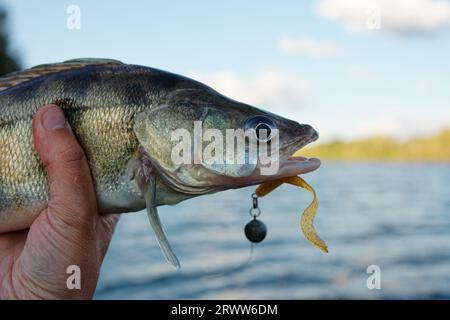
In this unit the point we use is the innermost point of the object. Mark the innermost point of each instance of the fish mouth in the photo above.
(291, 165)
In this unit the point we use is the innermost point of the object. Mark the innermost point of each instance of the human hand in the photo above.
(33, 263)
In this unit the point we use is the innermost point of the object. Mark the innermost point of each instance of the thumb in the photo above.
(69, 177)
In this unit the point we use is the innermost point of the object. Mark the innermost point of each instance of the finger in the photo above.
(12, 243)
(108, 224)
(70, 182)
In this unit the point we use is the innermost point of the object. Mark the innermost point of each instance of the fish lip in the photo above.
(299, 165)
(295, 165)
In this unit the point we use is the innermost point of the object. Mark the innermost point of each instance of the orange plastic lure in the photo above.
(307, 220)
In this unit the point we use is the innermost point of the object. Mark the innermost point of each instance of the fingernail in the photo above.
(53, 118)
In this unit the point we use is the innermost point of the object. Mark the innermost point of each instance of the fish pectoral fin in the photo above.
(155, 223)
(161, 237)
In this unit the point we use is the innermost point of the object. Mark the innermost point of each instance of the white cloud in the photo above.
(425, 85)
(401, 17)
(400, 125)
(392, 126)
(273, 90)
(359, 73)
(307, 46)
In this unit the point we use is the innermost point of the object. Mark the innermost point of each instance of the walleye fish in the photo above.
(123, 117)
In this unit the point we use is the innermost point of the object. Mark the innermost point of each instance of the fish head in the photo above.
(199, 141)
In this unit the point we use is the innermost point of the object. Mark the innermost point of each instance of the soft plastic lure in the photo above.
(307, 220)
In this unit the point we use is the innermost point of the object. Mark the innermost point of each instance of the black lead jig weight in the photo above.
(255, 230)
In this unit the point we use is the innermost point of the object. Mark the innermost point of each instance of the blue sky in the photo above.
(314, 61)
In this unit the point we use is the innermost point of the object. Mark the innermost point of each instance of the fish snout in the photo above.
(305, 130)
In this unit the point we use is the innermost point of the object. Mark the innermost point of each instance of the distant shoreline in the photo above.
(429, 149)
(381, 161)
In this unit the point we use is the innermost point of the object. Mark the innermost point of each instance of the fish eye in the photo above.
(259, 123)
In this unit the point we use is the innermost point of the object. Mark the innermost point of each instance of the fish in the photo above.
(124, 117)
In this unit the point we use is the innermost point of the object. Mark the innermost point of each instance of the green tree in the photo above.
(8, 63)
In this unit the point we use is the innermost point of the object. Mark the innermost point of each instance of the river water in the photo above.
(394, 216)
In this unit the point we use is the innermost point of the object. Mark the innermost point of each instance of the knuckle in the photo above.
(72, 156)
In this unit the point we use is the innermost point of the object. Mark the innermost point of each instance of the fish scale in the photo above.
(104, 130)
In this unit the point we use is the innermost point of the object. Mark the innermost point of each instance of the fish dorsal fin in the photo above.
(18, 77)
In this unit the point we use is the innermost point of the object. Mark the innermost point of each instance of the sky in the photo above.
(349, 68)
